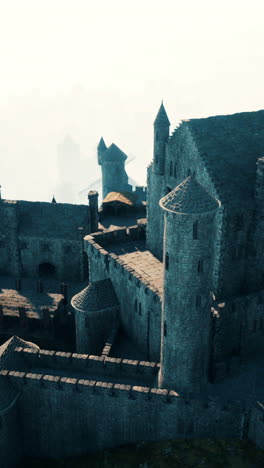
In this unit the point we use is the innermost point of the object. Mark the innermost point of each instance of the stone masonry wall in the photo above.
(143, 324)
(10, 444)
(256, 425)
(238, 332)
(9, 253)
(65, 416)
(64, 254)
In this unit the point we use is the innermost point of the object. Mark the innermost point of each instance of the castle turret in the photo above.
(96, 308)
(100, 150)
(188, 258)
(114, 176)
(161, 135)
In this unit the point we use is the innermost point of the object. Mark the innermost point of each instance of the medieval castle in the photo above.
(169, 321)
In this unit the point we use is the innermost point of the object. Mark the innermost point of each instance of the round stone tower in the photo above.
(96, 308)
(188, 258)
(161, 135)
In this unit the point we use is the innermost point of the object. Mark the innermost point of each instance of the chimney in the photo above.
(93, 204)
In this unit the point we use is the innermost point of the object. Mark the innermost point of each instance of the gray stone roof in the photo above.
(189, 197)
(101, 145)
(113, 153)
(10, 361)
(230, 146)
(161, 118)
(96, 296)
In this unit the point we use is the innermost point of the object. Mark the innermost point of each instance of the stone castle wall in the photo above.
(62, 416)
(142, 323)
(256, 424)
(237, 332)
(32, 233)
(10, 438)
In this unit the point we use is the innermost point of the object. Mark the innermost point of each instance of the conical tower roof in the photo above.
(162, 118)
(101, 145)
(96, 296)
(53, 200)
(113, 153)
(190, 197)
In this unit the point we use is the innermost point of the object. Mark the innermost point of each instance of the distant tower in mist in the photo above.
(68, 159)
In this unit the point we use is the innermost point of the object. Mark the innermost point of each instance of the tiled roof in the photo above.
(113, 153)
(189, 197)
(96, 296)
(128, 198)
(230, 146)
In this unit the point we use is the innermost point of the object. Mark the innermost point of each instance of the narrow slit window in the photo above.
(140, 309)
(175, 170)
(167, 261)
(136, 305)
(165, 329)
(195, 230)
(200, 266)
(171, 168)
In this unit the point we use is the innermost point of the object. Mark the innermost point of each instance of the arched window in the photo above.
(195, 230)
(175, 170)
(167, 261)
(171, 168)
(136, 305)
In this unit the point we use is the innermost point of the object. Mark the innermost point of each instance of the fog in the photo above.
(83, 69)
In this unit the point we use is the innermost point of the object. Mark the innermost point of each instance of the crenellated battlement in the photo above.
(110, 367)
(97, 244)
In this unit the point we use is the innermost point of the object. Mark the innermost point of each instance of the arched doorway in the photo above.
(46, 270)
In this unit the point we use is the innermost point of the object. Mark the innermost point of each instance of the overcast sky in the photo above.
(100, 68)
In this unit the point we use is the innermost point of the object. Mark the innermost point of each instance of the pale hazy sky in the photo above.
(93, 68)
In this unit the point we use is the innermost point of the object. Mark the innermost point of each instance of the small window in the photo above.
(198, 302)
(23, 245)
(189, 172)
(171, 168)
(136, 305)
(140, 309)
(167, 261)
(67, 249)
(233, 307)
(175, 170)
(86, 322)
(45, 248)
(200, 266)
(165, 329)
(195, 230)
